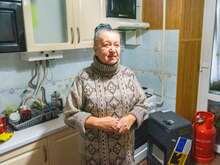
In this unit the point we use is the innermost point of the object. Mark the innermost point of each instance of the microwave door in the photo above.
(12, 37)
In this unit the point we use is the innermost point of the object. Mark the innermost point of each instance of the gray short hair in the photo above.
(100, 28)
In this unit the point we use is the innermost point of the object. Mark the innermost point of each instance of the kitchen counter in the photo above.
(31, 134)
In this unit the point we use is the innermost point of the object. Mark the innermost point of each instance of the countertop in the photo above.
(31, 134)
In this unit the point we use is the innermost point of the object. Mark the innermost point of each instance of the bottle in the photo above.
(56, 102)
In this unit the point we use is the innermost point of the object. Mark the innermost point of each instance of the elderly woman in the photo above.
(106, 104)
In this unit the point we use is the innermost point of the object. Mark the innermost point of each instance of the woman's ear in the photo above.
(95, 46)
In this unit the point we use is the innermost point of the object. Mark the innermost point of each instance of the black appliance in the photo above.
(164, 129)
(12, 34)
(121, 9)
(141, 135)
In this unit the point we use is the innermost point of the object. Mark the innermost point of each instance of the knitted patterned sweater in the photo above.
(105, 90)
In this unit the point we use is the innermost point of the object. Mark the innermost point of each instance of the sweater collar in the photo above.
(104, 69)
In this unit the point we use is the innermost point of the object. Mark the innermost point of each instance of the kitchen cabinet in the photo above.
(56, 149)
(32, 154)
(64, 148)
(12, 38)
(48, 25)
(61, 24)
(88, 14)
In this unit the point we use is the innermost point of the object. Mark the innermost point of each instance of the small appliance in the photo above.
(12, 36)
(164, 129)
(121, 9)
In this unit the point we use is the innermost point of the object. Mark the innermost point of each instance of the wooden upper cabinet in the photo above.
(173, 14)
(192, 19)
(153, 13)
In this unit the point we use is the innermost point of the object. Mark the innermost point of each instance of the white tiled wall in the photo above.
(15, 74)
(144, 59)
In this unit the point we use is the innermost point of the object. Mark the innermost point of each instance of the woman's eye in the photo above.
(106, 45)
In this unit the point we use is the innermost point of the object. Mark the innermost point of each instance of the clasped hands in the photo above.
(111, 124)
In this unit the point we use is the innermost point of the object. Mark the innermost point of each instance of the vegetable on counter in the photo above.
(38, 104)
(10, 109)
(5, 136)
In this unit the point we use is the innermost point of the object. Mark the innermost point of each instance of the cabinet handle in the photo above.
(72, 35)
(78, 33)
(45, 153)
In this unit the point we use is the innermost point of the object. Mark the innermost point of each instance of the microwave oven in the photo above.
(12, 34)
(121, 9)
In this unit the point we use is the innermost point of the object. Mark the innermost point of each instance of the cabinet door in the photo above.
(64, 148)
(12, 38)
(88, 14)
(32, 154)
(48, 24)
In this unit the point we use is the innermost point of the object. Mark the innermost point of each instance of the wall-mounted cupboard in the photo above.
(48, 24)
(60, 24)
(87, 15)
(12, 37)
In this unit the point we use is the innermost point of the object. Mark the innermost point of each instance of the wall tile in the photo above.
(15, 74)
(144, 59)
(149, 80)
(171, 87)
(172, 40)
(151, 39)
(171, 62)
(147, 61)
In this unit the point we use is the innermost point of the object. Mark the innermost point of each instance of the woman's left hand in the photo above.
(125, 123)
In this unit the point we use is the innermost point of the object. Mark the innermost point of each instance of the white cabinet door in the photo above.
(32, 154)
(64, 148)
(48, 24)
(88, 14)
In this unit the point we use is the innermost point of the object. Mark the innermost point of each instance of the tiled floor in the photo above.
(215, 162)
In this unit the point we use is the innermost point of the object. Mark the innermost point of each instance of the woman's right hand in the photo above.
(107, 124)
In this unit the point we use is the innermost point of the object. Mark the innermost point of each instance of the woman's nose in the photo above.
(112, 48)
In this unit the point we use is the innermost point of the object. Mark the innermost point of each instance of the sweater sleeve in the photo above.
(142, 107)
(74, 116)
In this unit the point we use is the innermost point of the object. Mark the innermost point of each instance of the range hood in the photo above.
(128, 25)
(130, 28)
(124, 15)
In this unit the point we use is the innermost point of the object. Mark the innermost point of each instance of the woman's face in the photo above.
(107, 47)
